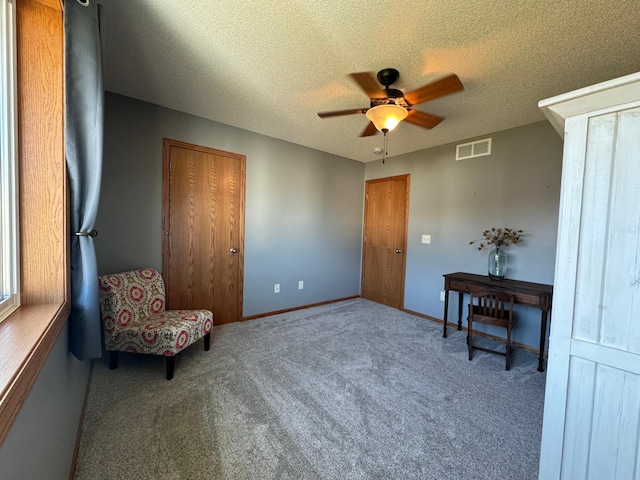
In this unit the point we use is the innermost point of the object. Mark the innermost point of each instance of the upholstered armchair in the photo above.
(134, 318)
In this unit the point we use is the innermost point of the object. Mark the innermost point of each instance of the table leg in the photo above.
(446, 312)
(543, 337)
(460, 298)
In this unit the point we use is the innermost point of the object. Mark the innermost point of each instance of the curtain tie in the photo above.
(92, 233)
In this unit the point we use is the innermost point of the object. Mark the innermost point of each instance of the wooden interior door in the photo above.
(203, 229)
(386, 215)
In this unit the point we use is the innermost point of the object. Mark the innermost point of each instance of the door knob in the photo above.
(398, 251)
(234, 250)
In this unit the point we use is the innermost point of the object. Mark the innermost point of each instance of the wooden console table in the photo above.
(526, 293)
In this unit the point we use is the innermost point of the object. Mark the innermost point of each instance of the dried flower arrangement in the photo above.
(500, 237)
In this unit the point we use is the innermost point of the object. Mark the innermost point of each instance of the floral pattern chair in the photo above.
(134, 318)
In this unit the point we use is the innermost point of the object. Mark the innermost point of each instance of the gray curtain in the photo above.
(84, 119)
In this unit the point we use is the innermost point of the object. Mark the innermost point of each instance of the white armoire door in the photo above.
(591, 427)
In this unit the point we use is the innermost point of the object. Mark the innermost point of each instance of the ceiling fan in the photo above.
(401, 102)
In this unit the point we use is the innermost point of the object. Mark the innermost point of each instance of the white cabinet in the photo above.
(591, 427)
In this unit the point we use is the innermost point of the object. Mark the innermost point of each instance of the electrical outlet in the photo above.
(276, 288)
(442, 296)
(426, 238)
(300, 285)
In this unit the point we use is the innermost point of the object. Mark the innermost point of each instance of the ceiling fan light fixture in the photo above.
(386, 117)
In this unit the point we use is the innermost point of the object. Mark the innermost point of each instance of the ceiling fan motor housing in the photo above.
(397, 100)
(387, 77)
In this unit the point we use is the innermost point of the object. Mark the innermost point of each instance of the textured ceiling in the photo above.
(270, 66)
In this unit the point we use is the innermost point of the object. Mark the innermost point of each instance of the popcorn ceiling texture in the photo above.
(270, 66)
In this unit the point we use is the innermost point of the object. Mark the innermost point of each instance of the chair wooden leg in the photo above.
(113, 360)
(508, 353)
(171, 364)
(207, 341)
(469, 337)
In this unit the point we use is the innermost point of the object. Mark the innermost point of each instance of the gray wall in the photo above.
(42, 441)
(455, 201)
(303, 207)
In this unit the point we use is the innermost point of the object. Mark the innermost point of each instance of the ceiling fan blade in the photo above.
(369, 131)
(338, 113)
(436, 89)
(422, 119)
(369, 84)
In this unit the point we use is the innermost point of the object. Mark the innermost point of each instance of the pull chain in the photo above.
(385, 144)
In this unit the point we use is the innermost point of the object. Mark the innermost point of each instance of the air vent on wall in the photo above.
(479, 148)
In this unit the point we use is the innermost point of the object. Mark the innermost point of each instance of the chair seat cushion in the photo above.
(164, 333)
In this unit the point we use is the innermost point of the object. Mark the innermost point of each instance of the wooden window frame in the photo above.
(9, 261)
(28, 334)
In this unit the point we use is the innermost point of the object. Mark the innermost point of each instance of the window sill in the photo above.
(26, 339)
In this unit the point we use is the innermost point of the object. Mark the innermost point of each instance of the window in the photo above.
(30, 332)
(9, 294)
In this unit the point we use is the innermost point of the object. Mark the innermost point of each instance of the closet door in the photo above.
(592, 403)
(203, 226)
